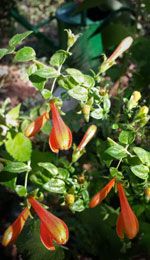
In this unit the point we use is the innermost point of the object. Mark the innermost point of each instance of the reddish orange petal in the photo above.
(101, 195)
(56, 227)
(13, 231)
(130, 222)
(61, 136)
(87, 137)
(120, 226)
(46, 237)
(36, 125)
(52, 142)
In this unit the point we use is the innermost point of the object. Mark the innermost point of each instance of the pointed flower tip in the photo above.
(122, 47)
(60, 136)
(101, 195)
(13, 231)
(87, 137)
(36, 125)
(127, 221)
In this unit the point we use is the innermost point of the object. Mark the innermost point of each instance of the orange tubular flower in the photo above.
(60, 136)
(127, 221)
(13, 231)
(101, 195)
(51, 227)
(36, 125)
(87, 137)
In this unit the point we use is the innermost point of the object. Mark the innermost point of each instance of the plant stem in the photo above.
(53, 85)
(27, 173)
(119, 163)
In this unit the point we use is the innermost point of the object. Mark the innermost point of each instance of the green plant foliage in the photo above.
(79, 93)
(25, 54)
(127, 137)
(16, 167)
(116, 151)
(18, 38)
(48, 72)
(140, 171)
(19, 147)
(55, 185)
(143, 155)
(59, 58)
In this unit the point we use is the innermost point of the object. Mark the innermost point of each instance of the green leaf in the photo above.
(18, 38)
(3, 52)
(63, 174)
(39, 178)
(46, 129)
(76, 74)
(126, 137)
(48, 73)
(25, 54)
(51, 168)
(88, 82)
(66, 82)
(143, 155)
(106, 104)
(19, 147)
(78, 206)
(21, 190)
(46, 93)
(14, 112)
(55, 185)
(8, 179)
(16, 167)
(97, 113)
(31, 69)
(79, 93)
(101, 146)
(37, 81)
(140, 171)
(58, 58)
(116, 151)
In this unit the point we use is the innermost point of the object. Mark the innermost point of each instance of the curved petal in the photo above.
(13, 231)
(55, 226)
(101, 195)
(120, 226)
(130, 221)
(36, 125)
(52, 142)
(46, 237)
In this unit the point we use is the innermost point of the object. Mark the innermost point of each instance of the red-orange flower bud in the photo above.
(36, 125)
(60, 136)
(13, 231)
(122, 47)
(101, 195)
(87, 137)
(127, 221)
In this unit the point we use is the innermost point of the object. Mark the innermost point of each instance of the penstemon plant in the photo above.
(126, 165)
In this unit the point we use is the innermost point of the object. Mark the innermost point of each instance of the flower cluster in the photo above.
(60, 136)
(127, 221)
(51, 227)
